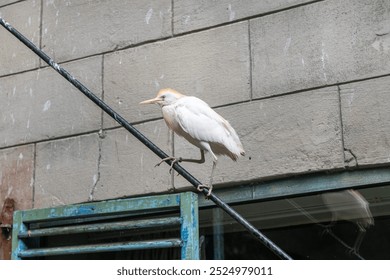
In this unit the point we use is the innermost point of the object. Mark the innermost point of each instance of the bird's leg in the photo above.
(359, 239)
(180, 159)
(210, 185)
(201, 160)
(328, 227)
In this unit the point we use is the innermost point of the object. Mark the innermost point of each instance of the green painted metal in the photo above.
(303, 184)
(120, 206)
(18, 245)
(30, 224)
(113, 226)
(99, 248)
(189, 226)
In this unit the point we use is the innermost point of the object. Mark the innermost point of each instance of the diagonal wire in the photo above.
(191, 179)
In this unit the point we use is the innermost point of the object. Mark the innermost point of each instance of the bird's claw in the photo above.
(164, 160)
(173, 159)
(326, 229)
(353, 251)
(202, 187)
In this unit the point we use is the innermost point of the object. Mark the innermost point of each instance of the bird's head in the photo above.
(164, 97)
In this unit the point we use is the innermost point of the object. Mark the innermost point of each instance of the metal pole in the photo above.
(191, 179)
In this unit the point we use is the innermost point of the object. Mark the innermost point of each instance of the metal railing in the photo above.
(124, 123)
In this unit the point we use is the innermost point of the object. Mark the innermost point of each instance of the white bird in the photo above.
(350, 205)
(193, 119)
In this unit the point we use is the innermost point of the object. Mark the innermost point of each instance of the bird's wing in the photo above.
(201, 122)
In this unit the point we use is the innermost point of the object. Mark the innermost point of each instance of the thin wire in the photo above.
(191, 179)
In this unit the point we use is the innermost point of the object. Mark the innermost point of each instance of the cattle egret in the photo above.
(193, 119)
(350, 205)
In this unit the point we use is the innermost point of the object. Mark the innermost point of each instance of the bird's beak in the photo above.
(151, 101)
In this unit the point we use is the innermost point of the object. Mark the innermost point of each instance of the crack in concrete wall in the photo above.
(350, 158)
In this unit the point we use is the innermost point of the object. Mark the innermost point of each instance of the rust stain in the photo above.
(7, 213)
(16, 192)
(16, 176)
(6, 220)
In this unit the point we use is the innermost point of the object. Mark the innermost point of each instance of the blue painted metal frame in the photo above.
(185, 203)
(302, 185)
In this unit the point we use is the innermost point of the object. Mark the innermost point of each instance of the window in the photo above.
(312, 216)
(303, 227)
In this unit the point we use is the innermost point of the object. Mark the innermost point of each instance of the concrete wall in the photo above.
(305, 83)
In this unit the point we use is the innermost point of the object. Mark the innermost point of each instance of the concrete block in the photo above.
(285, 135)
(212, 65)
(320, 44)
(16, 176)
(42, 105)
(25, 17)
(191, 15)
(128, 167)
(366, 118)
(73, 29)
(66, 170)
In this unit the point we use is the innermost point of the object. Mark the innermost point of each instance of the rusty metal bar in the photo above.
(115, 226)
(99, 248)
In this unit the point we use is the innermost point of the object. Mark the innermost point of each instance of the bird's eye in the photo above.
(163, 97)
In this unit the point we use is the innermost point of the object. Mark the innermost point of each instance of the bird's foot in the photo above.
(173, 159)
(326, 229)
(353, 251)
(202, 187)
(165, 160)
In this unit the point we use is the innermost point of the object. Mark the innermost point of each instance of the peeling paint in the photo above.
(94, 179)
(323, 56)
(187, 19)
(12, 118)
(148, 15)
(287, 45)
(382, 43)
(10, 189)
(232, 14)
(46, 106)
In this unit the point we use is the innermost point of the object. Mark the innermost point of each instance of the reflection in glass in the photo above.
(350, 205)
